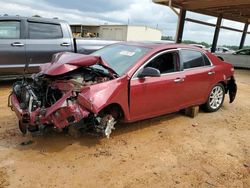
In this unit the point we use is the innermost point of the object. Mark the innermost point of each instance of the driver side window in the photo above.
(165, 63)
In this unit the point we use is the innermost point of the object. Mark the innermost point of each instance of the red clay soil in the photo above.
(210, 150)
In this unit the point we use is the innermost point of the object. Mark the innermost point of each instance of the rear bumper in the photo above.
(232, 88)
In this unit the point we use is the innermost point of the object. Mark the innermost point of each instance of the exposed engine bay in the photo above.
(44, 91)
(52, 101)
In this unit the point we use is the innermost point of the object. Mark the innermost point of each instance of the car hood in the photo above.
(64, 62)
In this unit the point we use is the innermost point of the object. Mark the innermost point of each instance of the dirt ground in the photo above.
(210, 150)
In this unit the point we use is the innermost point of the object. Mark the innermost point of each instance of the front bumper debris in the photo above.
(232, 88)
(62, 114)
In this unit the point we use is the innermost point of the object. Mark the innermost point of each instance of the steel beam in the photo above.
(180, 26)
(200, 22)
(214, 25)
(243, 37)
(206, 4)
(216, 34)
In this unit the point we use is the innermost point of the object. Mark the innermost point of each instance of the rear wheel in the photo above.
(216, 98)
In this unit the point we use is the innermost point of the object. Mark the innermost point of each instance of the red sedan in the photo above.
(121, 82)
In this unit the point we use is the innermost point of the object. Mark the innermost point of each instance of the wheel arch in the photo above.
(113, 108)
(224, 85)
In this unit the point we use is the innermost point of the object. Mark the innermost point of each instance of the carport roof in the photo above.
(236, 10)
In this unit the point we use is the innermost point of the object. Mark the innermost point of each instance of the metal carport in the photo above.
(235, 10)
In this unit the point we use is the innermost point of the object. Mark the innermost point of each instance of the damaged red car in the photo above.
(121, 82)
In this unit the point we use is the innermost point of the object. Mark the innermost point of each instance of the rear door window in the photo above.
(193, 59)
(9, 29)
(44, 31)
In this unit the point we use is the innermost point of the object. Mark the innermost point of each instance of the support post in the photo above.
(180, 26)
(216, 34)
(243, 37)
(81, 31)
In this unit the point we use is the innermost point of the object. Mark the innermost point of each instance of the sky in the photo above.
(134, 12)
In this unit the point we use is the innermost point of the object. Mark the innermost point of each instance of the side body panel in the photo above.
(12, 52)
(150, 97)
(97, 97)
(197, 85)
(39, 51)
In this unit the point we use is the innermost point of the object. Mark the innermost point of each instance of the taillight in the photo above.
(232, 69)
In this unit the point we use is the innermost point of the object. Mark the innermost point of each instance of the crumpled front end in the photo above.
(33, 115)
(53, 100)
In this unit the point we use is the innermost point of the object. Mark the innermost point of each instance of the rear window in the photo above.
(44, 31)
(192, 59)
(9, 29)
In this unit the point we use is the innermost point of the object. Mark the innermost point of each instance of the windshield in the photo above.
(121, 57)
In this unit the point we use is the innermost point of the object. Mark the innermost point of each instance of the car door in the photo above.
(12, 47)
(44, 40)
(153, 96)
(199, 77)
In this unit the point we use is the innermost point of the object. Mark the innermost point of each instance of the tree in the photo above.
(167, 38)
(36, 15)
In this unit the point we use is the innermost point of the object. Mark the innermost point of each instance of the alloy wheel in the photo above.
(216, 97)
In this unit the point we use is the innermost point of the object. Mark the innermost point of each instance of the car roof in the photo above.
(161, 45)
(35, 19)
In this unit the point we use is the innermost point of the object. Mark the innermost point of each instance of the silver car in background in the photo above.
(240, 58)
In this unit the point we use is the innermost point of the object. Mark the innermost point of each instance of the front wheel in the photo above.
(216, 98)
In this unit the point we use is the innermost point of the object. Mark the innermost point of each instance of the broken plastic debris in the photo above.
(195, 124)
(25, 143)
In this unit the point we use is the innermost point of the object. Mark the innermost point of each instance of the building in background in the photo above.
(79, 30)
(117, 32)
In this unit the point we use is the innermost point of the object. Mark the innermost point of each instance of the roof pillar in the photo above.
(243, 37)
(180, 26)
(216, 34)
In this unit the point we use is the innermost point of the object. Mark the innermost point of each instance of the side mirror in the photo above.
(149, 71)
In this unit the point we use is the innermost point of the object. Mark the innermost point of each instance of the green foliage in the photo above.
(193, 42)
(167, 38)
(38, 16)
(234, 47)
(231, 47)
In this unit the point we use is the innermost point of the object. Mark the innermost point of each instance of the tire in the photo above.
(215, 99)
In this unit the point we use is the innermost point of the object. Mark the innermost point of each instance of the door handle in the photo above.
(211, 73)
(17, 44)
(65, 44)
(177, 80)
